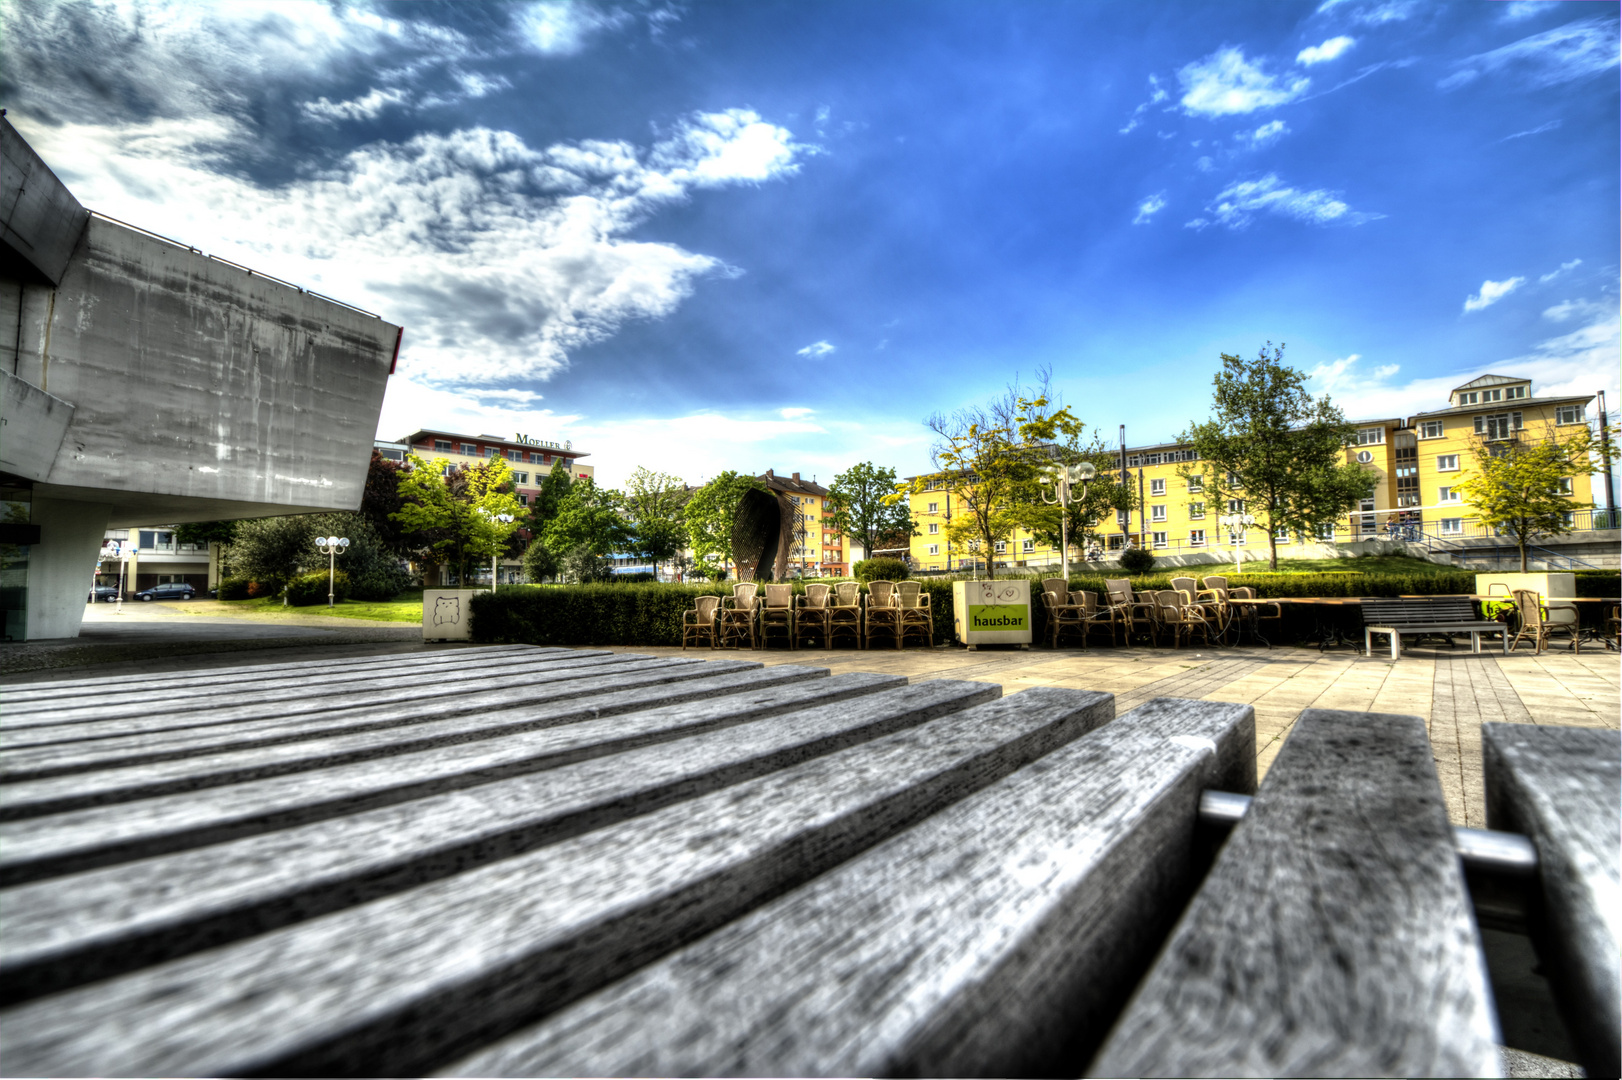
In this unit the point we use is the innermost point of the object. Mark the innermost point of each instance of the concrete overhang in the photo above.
(40, 220)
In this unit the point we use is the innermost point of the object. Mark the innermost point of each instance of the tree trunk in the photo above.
(1521, 543)
(1272, 546)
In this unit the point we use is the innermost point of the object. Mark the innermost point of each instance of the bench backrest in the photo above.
(1419, 612)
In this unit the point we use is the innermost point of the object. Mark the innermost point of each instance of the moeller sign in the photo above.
(546, 444)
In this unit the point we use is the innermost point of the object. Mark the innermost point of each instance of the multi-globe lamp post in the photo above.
(331, 547)
(1063, 477)
(495, 556)
(1236, 524)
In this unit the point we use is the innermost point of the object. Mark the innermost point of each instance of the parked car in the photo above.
(109, 593)
(173, 590)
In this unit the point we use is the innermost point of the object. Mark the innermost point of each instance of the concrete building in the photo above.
(1417, 463)
(143, 382)
(531, 460)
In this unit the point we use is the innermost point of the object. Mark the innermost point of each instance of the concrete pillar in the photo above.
(61, 565)
(213, 565)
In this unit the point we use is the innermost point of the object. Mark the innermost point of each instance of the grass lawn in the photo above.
(407, 607)
(1373, 564)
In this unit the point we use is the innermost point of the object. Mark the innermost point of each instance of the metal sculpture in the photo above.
(762, 534)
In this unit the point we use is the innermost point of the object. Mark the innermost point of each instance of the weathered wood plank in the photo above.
(1559, 786)
(68, 931)
(997, 938)
(1333, 937)
(401, 984)
(584, 674)
(216, 747)
(60, 688)
(293, 688)
(26, 699)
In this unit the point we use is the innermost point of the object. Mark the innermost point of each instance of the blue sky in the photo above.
(747, 235)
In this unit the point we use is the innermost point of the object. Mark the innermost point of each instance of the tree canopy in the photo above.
(458, 511)
(1274, 448)
(656, 504)
(588, 523)
(710, 513)
(1525, 491)
(860, 506)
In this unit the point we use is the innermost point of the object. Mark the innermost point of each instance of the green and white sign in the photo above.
(992, 612)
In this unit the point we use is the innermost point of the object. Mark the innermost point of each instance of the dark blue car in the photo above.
(173, 590)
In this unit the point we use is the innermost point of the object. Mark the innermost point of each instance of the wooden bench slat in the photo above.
(1333, 937)
(66, 931)
(25, 710)
(224, 713)
(400, 984)
(1559, 786)
(179, 702)
(215, 748)
(979, 942)
(69, 688)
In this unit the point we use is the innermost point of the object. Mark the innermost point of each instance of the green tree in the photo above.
(861, 507)
(459, 511)
(588, 523)
(1090, 508)
(656, 504)
(381, 500)
(1525, 491)
(710, 513)
(273, 550)
(991, 459)
(1274, 447)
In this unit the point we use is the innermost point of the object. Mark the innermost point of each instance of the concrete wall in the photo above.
(40, 220)
(62, 565)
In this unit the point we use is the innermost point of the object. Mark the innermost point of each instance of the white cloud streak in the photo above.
(1492, 292)
(1264, 136)
(1318, 54)
(1157, 94)
(815, 349)
(1565, 268)
(1149, 207)
(1574, 51)
(1226, 84)
(1237, 205)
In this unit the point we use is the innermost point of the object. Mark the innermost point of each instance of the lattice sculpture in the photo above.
(762, 535)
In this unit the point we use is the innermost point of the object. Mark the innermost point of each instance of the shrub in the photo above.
(633, 579)
(1137, 561)
(381, 582)
(311, 588)
(880, 570)
(269, 587)
(235, 588)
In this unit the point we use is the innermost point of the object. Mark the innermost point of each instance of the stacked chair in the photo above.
(698, 622)
(845, 613)
(883, 614)
(738, 616)
(813, 614)
(1135, 613)
(917, 617)
(777, 613)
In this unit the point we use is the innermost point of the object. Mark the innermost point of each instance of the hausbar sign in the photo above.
(992, 612)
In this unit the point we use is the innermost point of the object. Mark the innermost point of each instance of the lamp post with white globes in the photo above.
(331, 547)
(1240, 522)
(495, 556)
(1063, 476)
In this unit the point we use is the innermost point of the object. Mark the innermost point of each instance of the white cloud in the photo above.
(362, 108)
(1539, 130)
(1569, 309)
(1237, 205)
(1225, 84)
(1335, 375)
(1205, 164)
(1385, 371)
(1266, 135)
(1516, 10)
(815, 349)
(1157, 94)
(1565, 268)
(1492, 292)
(1149, 207)
(562, 27)
(1317, 54)
(1566, 53)
(794, 414)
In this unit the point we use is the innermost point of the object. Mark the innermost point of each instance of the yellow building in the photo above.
(819, 549)
(1418, 463)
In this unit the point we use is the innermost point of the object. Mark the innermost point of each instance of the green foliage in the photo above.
(587, 527)
(1283, 449)
(1516, 487)
(1603, 583)
(656, 504)
(860, 505)
(540, 564)
(1138, 561)
(710, 514)
(458, 515)
(311, 588)
(581, 565)
(880, 570)
(270, 551)
(381, 500)
(234, 588)
(206, 532)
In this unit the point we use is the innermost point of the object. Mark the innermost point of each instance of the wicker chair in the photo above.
(1134, 612)
(883, 613)
(1095, 615)
(1064, 617)
(1214, 587)
(1180, 618)
(1544, 621)
(1186, 586)
(738, 616)
(698, 623)
(845, 613)
(917, 617)
(812, 614)
(777, 613)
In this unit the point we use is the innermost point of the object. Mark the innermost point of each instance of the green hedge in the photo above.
(308, 589)
(234, 588)
(1599, 583)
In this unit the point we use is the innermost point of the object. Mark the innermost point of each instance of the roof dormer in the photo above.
(1490, 389)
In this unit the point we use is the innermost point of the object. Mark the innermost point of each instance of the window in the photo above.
(1002, 547)
(1447, 463)
(934, 549)
(1500, 426)
(1452, 526)
(1236, 506)
(1326, 531)
(1564, 486)
(1157, 539)
(523, 500)
(934, 508)
(1370, 436)
(1568, 414)
(490, 451)
(1196, 537)
(1157, 487)
(1196, 484)
(1447, 494)
(1282, 534)
(520, 477)
(1028, 547)
(469, 449)
(1157, 513)
(1470, 398)
(448, 469)
(934, 527)
(392, 455)
(442, 444)
(1568, 518)
(1196, 510)
(1515, 392)
(515, 455)
(1430, 429)
(1234, 481)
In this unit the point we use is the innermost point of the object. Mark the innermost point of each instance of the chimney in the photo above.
(771, 474)
(796, 478)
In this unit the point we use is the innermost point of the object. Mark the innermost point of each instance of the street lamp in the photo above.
(1240, 522)
(495, 556)
(1063, 476)
(331, 547)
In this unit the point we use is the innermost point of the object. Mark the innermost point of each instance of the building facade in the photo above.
(819, 549)
(530, 460)
(1418, 463)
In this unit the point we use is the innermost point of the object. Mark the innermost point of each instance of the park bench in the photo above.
(1440, 616)
(622, 865)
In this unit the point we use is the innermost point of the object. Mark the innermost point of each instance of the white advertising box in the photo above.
(445, 613)
(992, 612)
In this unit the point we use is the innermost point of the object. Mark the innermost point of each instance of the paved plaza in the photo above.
(1452, 689)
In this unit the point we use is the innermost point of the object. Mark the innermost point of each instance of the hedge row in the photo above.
(651, 614)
